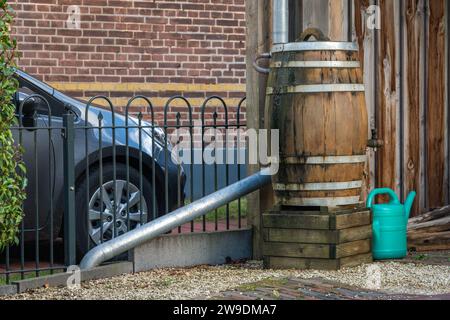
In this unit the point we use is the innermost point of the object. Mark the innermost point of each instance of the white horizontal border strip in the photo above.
(315, 46)
(322, 202)
(318, 186)
(316, 64)
(319, 88)
(326, 160)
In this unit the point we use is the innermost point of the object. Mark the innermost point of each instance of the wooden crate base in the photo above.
(321, 251)
(317, 240)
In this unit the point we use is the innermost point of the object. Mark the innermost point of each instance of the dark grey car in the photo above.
(45, 170)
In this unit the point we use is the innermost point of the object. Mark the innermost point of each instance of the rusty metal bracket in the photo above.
(374, 142)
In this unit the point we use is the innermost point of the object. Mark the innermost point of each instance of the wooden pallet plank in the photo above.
(317, 236)
(356, 260)
(352, 248)
(316, 264)
(353, 234)
(297, 250)
(300, 263)
(294, 221)
(302, 236)
(349, 220)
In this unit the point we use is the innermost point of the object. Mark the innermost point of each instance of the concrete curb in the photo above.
(58, 280)
(192, 249)
(8, 290)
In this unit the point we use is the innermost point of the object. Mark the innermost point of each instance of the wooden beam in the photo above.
(412, 84)
(315, 15)
(366, 41)
(338, 20)
(387, 69)
(258, 20)
(436, 105)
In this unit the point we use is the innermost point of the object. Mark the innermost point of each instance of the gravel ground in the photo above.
(208, 281)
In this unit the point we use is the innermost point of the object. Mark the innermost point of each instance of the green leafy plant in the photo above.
(12, 169)
(421, 257)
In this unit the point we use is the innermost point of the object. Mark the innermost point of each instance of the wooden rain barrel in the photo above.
(315, 97)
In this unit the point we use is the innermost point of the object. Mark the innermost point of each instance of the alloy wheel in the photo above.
(108, 218)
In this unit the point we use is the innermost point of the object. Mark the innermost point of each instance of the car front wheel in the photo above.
(112, 209)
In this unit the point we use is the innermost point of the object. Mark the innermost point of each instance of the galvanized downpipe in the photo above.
(280, 31)
(280, 21)
(130, 240)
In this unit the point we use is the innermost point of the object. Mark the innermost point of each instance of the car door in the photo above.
(41, 140)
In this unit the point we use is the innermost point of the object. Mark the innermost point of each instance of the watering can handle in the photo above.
(392, 195)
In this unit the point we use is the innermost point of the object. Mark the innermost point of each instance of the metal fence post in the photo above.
(69, 191)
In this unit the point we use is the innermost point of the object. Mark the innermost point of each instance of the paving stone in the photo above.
(320, 289)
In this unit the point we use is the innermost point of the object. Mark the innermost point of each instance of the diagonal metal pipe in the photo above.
(151, 230)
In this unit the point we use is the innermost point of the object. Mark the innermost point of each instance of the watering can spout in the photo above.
(409, 203)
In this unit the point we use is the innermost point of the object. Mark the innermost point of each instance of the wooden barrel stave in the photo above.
(318, 124)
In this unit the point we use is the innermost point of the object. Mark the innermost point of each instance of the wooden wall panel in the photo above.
(406, 73)
(436, 105)
(410, 94)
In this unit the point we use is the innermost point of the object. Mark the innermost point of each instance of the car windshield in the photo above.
(35, 81)
(52, 91)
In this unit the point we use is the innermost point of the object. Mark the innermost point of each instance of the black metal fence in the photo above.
(94, 174)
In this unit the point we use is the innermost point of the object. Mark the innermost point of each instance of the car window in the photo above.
(57, 107)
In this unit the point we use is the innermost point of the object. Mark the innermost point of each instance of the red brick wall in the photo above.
(158, 48)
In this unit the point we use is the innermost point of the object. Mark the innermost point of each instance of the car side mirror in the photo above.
(27, 107)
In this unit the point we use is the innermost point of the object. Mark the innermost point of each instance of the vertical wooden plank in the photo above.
(266, 199)
(315, 15)
(253, 78)
(365, 39)
(436, 105)
(398, 110)
(414, 35)
(362, 32)
(338, 20)
(402, 46)
(258, 41)
(387, 93)
(295, 19)
(447, 102)
(330, 16)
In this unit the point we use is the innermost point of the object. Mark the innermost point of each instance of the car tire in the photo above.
(86, 226)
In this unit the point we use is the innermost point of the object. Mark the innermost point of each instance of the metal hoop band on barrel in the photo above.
(319, 88)
(329, 186)
(316, 64)
(325, 160)
(315, 46)
(323, 202)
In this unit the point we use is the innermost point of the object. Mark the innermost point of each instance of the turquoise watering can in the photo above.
(390, 222)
